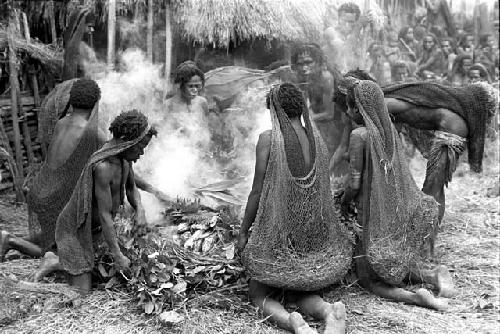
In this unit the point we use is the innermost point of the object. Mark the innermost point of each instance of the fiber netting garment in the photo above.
(397, 217)
(54, 107)
(475, 103)
(297, 241)
(51, 188)
(224, 83)
(74, 225)
(449, 145)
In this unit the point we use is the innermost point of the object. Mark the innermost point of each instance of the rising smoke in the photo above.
(191, 150)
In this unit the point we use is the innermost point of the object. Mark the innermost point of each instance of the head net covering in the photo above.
(398, 217)
(297, 242)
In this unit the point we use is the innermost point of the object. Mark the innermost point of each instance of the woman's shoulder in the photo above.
(359, 132)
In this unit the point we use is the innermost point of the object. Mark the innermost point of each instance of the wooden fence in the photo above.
(30, 113)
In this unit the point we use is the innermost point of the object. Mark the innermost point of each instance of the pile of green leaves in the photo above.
(163, 274)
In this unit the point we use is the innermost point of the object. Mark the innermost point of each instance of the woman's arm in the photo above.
(356, 164)
(262, 156)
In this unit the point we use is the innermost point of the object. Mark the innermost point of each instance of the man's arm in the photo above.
(326, 97)
(103, 174)
(148, 187)
(134, 198)
(356, 163)
(262, 156)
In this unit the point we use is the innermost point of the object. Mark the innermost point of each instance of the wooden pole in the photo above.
(136, 12)
(149, 45)
(14, 85)
(168, 45)
(22, 115)
(34, 81)
(111, 34)
(17, 181)
(52, 22)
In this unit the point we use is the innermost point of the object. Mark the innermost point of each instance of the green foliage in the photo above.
(163, 274)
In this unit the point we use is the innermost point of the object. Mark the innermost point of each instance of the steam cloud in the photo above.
(191, 149)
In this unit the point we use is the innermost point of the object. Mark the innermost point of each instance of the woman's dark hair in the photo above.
(84, 94)
(185, 71)
(290, 98)
(339, 97)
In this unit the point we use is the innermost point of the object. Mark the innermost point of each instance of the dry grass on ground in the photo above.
(468, 244)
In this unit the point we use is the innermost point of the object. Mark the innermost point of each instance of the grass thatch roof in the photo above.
(221, 21)
(51, 58)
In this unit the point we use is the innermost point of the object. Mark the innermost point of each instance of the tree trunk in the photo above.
(168, 46)
(14, 91)
(111, 33)
(52, 22)
(149, 47)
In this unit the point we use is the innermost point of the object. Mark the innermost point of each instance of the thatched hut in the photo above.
(245, 30)
(220, 22)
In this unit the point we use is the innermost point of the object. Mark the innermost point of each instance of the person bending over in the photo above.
(395, 216)
(442, 122)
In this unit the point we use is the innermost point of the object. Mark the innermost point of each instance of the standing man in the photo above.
(317, 83)
(343, 42)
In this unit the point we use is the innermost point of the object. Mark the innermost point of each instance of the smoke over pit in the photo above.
(191, 149)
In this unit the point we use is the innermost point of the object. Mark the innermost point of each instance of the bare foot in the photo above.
(444, 282)
(49, 264)
(426, 299)
(335, 319)
(299, 325)
(4, 244)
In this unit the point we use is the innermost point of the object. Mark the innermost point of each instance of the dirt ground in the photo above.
(468, 244)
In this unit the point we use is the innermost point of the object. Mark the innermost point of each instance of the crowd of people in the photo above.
(414, 52)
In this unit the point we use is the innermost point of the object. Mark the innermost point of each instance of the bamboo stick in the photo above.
(111, 34)
(34, 81)
(168, 46)
(14, 84)
(13, 91)
(149, 45)
(16, 177)
(52, 22)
